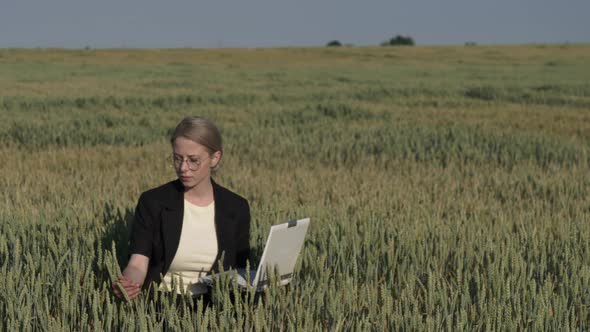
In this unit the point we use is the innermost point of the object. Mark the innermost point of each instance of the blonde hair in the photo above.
(199, 130)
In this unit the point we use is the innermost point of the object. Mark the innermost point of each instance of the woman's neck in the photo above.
(201, 194)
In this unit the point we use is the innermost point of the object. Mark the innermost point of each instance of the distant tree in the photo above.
(470, 43)
(399, 40)
(334, 43)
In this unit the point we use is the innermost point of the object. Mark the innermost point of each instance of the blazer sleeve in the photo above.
(243, 248)
(142, 230)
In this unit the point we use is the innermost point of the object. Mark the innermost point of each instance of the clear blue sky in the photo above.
(267, 23)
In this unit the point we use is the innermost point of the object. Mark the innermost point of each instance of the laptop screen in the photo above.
(282, 249)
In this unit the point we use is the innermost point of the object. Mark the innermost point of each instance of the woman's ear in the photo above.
(215, 159)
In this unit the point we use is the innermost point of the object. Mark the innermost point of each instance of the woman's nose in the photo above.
(184, 165)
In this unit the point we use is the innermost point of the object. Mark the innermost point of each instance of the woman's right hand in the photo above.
(132, 278)
(126, 285)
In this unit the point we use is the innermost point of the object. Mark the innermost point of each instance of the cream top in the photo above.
(196, 252)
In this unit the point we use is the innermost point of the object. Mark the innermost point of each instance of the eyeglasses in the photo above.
(192, 163)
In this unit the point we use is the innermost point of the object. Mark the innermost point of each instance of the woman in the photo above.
(189, 227)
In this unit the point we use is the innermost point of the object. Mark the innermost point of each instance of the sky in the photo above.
(279, 23)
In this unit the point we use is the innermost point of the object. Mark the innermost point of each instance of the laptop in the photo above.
(280, 254)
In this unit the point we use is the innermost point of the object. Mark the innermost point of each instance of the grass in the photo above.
(448, 186)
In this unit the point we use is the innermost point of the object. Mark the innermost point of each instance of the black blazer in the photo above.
(158, 222)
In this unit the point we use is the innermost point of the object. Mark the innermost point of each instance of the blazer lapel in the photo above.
(172, 216)
(224, 217)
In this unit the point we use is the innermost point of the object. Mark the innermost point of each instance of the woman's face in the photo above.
(192, 162)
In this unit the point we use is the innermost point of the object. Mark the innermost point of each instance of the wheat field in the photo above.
(448, 187)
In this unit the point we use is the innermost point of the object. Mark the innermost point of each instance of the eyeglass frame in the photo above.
(173, 159)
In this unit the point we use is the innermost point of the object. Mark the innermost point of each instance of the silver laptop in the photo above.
(280, 254)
